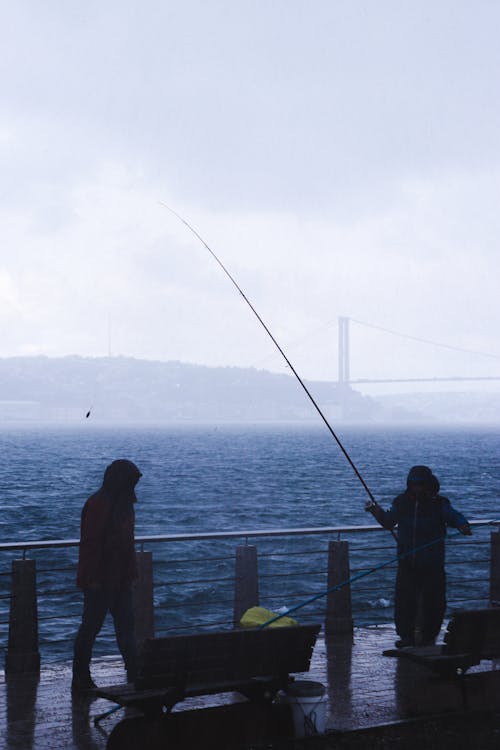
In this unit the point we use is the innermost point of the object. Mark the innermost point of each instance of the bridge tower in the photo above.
(343, 387)
(344, 374)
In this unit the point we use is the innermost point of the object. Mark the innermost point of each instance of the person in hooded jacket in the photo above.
(107, 569)
(421, 516)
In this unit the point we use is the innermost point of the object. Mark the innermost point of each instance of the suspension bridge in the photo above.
(344, 357)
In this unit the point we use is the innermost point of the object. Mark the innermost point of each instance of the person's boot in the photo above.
(428, 642)
(131, 667)
(404, 643)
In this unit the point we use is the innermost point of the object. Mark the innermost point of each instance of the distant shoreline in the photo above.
(305, 425)
(123, 390)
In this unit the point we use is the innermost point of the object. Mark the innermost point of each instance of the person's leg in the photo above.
(433, 592)
(405, 605)
(123, 616)
(95, 607)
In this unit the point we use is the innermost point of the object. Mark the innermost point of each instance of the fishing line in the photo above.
(338, 586)
(275, 342)
(365, 573)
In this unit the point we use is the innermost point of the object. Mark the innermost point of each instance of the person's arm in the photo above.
(94, 521)
(453, 518)
(386, 518)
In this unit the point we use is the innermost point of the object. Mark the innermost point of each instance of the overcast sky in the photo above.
(342, 158)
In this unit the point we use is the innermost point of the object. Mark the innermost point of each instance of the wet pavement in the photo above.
(364, 689)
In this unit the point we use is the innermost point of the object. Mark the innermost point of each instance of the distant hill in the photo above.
(127, 389)
(123, 389)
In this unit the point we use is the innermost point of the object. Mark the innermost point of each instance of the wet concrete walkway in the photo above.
(365, 689)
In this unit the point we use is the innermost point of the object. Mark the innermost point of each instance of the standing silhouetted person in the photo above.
(421, 515)
(107, 568)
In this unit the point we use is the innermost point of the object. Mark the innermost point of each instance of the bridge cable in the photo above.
(424, 341)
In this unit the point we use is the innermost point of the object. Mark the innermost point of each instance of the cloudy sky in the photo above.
(341, 157)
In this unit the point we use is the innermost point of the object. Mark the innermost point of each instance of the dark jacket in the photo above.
(107, 550)
(420, 521)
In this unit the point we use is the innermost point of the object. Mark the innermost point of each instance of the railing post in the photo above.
(338, 603)
(22, 649)
(246, 583)
(495, 568)
(143, 598)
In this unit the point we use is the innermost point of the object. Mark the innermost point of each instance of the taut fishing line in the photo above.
(277, 345)
(363, 574)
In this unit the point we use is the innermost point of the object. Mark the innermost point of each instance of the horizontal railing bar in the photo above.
(469, 542)
(190, 560)
(355, 548)
(72, 569)
(194, 626)
(58, 617)
(301, 553)
(208, 535)
(196, 580)
(364, 570)
(457, 563)
(46, 642)
(299, 574)
(297, 594)
(184, 628)
(467, 582)
(186, 605)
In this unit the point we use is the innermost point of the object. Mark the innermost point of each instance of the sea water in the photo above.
(223, 478)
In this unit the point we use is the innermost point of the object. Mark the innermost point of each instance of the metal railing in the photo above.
(194, 578)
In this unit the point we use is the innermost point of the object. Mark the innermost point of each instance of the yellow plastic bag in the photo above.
(256, 616)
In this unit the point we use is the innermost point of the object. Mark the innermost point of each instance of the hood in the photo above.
(422, 476)
(120, 479)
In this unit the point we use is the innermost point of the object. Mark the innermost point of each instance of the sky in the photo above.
(340, 158)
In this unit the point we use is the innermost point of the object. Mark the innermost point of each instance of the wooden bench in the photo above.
(254, 662)
(472, 636)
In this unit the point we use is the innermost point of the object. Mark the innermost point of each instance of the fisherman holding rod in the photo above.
(421, 516)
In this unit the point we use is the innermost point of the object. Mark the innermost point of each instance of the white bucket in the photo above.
(308, 702)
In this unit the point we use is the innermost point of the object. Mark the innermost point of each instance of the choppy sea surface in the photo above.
(224, 478)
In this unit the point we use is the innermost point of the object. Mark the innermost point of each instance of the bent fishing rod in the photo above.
(281, 351)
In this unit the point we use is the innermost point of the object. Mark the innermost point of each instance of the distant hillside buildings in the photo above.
(123, 389)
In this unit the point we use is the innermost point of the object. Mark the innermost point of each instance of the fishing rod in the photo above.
(283, 354)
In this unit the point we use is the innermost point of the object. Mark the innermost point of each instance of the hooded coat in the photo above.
(421, 520)
(107, 550)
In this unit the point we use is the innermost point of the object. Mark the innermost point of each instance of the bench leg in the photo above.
(463, 691)
(105, 715)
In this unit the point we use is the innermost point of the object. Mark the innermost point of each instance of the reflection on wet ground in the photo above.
(365, 689)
